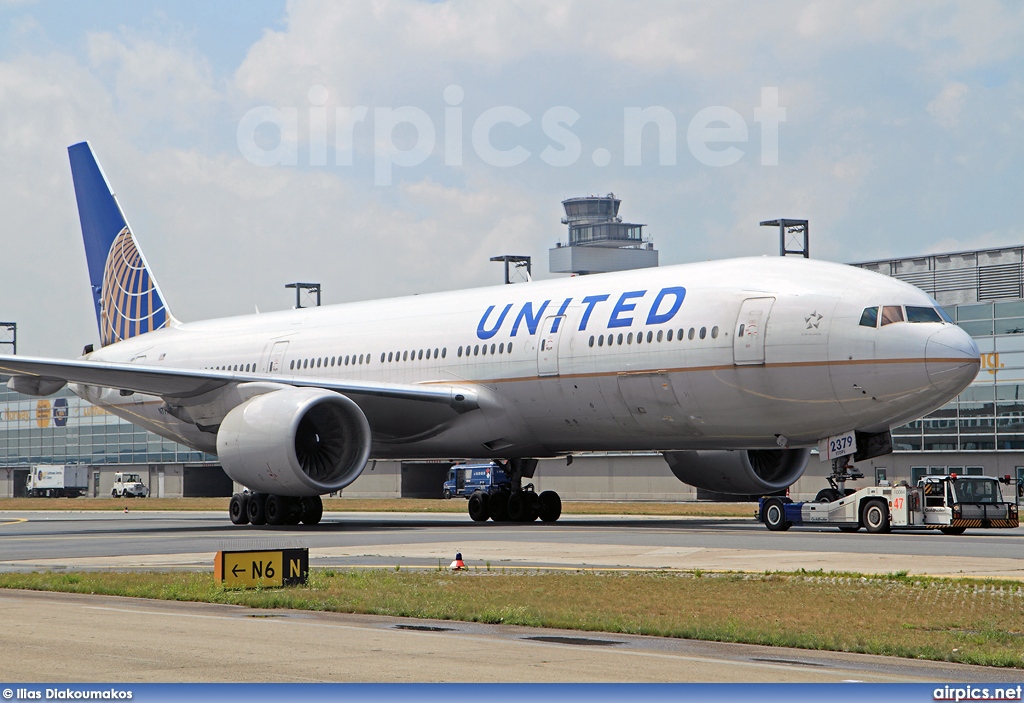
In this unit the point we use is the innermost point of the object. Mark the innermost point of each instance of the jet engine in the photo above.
(294, 442)
(740, 472)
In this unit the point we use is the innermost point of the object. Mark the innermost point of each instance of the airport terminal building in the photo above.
(981, 432)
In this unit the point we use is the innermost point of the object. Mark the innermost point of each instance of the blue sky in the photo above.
(902, 136)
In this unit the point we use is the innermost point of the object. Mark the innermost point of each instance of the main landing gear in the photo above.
(269, 509)
(517, 503)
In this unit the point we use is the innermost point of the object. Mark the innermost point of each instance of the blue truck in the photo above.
(465, 479)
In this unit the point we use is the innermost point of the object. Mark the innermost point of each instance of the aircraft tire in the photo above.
(312, 510)
(478, 507)
(522, 506)
(277, 509)
(774, 515)
(497, 505)
(295, 510)
(876, 517)
(952, 530)
(550, 506)
(257, 508)
(238, 509)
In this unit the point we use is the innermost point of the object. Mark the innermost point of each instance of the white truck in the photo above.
(57, 481)
(128, 486)
(948, 503)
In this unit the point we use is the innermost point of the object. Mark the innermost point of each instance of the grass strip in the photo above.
(955, 620)
(382, 505)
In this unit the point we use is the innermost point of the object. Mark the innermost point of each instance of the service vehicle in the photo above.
(57, 481)
(464, 479)
(950, 504)
(128, 486)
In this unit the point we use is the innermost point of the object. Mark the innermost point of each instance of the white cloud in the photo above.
(947, 105)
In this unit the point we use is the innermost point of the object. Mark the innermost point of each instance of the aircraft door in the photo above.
(748, 340)
(276, 357)
(547, 347)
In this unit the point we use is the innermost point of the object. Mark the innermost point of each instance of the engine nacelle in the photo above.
(294, 442)
(740, 472)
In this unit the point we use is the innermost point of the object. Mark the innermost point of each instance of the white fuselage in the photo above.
(653, 359)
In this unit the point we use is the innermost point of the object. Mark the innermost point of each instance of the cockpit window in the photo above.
(891, 314)
(922, 314)
(869, 318)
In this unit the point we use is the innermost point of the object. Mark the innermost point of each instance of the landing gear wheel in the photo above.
(257, 508)
(497, 505)
(294, 516)
(522, 506)
(876, 517)
(277, 510)
(952, 530)
(238, 509)
(478, 507)
(775, 515)
(312, 510)
(827, 495)
(550, 508)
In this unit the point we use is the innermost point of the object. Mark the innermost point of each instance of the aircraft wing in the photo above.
(394, 410)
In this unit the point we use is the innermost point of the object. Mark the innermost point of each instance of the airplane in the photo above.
(733, 369)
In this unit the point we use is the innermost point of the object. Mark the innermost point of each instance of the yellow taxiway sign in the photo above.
(263, 568)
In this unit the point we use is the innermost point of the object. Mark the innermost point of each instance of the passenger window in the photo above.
(435, 352)
(382, 357)
(869, 318)
(421, 354)
(619, 339)
(714, 332)
(492, 348)
(679, 335)
(703, 332)
(922, 314)
(591, 340)
(891, 314)
(501, 348)
(611, 338)
(600, 341)
(690, 335)
(292, 366)
(668, 337)
(629, 338)
(390, 355)
(650, 337)
(484, 351)
(444, 351)
(476, 350)
(639, 337)
(361, 358)
(659, 335)
(460, 351)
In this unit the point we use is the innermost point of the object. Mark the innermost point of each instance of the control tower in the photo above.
(599, 241)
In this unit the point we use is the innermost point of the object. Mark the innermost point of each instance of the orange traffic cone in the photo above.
(458, 564)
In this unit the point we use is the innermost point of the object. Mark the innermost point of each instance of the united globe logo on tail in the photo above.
(130, 304)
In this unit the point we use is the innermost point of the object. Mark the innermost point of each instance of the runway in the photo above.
(91, 540)
(204, 642)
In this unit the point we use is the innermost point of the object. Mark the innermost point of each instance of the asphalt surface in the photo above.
(43, 539)
(65, 637)
(56, 637)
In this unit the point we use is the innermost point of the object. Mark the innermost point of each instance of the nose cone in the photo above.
(952, 359)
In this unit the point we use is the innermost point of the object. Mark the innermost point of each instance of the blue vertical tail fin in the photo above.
(127, 299)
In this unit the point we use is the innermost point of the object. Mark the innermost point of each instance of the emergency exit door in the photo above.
(748, 340)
